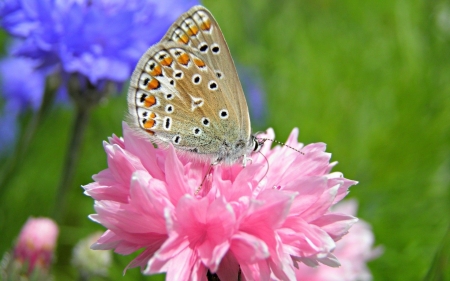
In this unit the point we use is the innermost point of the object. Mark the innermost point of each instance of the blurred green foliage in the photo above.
(369, 78)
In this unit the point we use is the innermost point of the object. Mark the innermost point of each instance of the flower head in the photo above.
(36, 244)
(21, 88)
(101, 40)
(261, 220)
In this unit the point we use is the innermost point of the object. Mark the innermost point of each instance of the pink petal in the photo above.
(146, 151)
(268, 212)
(321, 206)
(228, 268)
(336, 225)
(242, 185)
(199, 272)
(248, 249)
(309, 190)
(143, 258)
(176, 181)
(180, 266)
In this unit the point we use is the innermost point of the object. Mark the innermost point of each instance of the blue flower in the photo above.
(21, 88)
(97, 40)
(100, 39)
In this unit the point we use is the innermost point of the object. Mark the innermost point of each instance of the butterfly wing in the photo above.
(191, 97)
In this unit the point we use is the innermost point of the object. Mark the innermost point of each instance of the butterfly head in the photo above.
(230, 153)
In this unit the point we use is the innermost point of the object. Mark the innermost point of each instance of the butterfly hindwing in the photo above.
(178, 99)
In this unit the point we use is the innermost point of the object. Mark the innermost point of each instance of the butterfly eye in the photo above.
(205, 121)
(215, 49)
(212, 85)
(196, 79)
(223, 114)
(257, 145)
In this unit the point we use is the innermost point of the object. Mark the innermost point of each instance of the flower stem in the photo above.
(86, 97)
(73, 152)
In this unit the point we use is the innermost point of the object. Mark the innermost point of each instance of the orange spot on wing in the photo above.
(156, 71)
(149, 101)
(152, 115)
(149, 124)
(199, 62)
(167, 61)
(154, 84)
(206, 25)
(192, 31)
(183, 38)
(183, 59)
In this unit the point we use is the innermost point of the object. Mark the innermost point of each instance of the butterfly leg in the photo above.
(245, 160)
(204, 179)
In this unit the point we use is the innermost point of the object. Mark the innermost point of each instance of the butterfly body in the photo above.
(185, 91)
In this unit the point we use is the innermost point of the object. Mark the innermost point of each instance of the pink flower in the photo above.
(261, 220)
(353, 251)
(36, 244)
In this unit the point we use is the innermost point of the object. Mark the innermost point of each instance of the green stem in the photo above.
(73, 152)
(86, 97)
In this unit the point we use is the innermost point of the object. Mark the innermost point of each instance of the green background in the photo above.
(369, 78)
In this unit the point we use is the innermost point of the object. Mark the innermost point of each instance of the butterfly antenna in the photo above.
(203, 180)
(283, 144)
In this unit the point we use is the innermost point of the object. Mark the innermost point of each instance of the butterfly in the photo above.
(185, 91)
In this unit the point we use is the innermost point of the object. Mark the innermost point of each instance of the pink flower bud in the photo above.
(36, 243)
